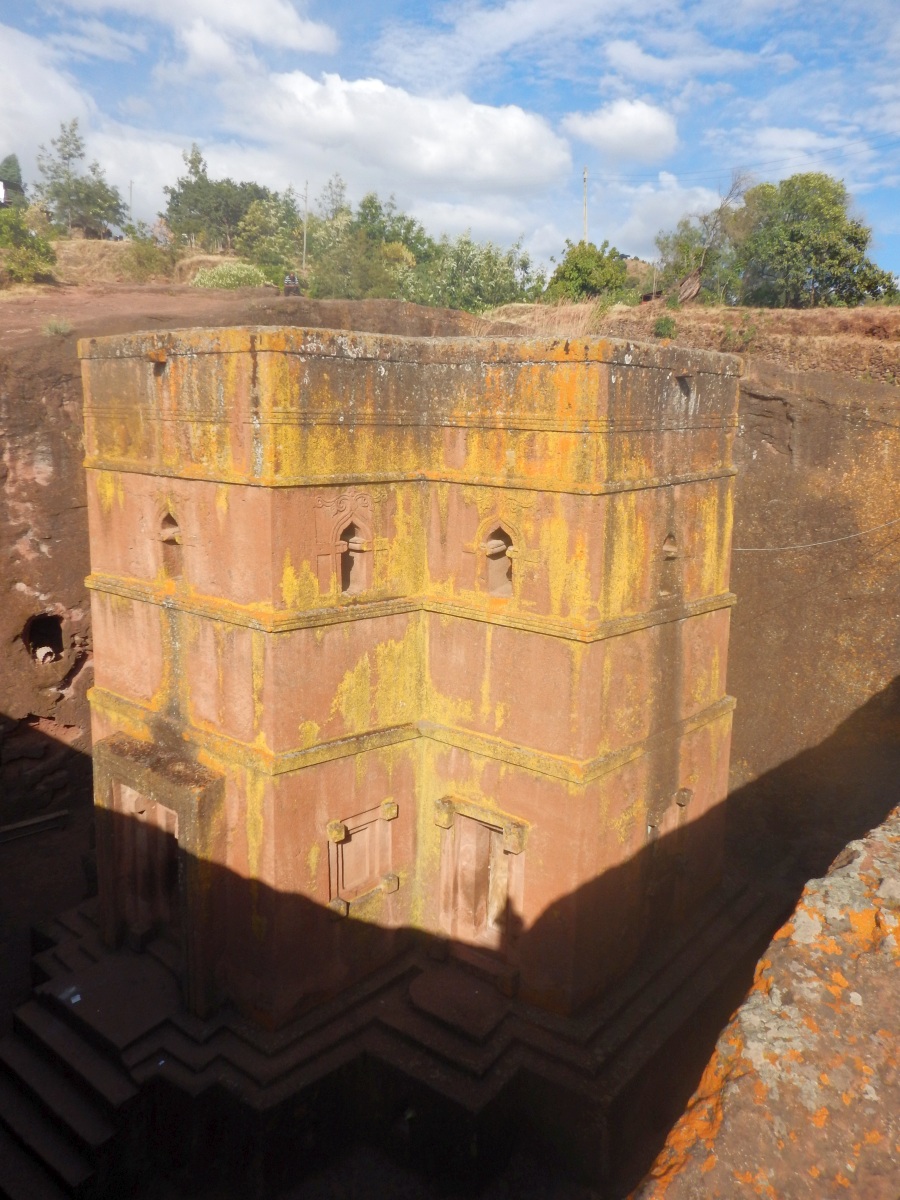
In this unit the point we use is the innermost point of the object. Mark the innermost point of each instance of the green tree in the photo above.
(698, 256)
(384, 223)
(271, 234)
(76, 201)
(24, 254)
(11, 175)
(800, 247)
(475, 276)
(587, 272)
(207, 212)
(372, 252)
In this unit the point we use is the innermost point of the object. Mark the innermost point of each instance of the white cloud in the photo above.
(475, 35)
(37, 95)
(266, 22)
(449, 142)
(206, 52)
(626, 131)
(94, 39)
(636, 215)
(631, 60)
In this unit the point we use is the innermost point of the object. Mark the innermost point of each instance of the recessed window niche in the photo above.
(170, 536)
(355, 561)
(499, 562)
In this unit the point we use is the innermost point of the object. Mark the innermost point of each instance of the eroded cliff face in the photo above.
(802, 1096)
(45, 611)
(815, 643)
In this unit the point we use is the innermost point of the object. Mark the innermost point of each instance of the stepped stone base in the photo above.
(106, 1075)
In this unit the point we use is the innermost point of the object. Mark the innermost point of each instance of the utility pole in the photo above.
(305, 220)
(585, 206)
(131, 201)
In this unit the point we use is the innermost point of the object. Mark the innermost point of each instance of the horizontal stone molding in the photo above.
(267, 620)
(568, 769)
(609, 487)
(359, 346)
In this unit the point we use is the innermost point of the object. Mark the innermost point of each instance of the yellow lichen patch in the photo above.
(299, 588)
(312, 865)
(258, 664)
(353, 697)
(405, 557)
(397, 677)
(484, 707)
(627, 543)
(110, 490)
(222, 500)
(254, 810)
(566, 558)
(624, 823)
(307, 734)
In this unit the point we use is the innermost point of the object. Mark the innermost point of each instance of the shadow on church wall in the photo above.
(211, 927)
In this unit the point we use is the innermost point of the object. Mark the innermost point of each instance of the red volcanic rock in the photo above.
(802, 1096)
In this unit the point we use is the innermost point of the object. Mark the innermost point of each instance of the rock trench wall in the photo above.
(815, 636)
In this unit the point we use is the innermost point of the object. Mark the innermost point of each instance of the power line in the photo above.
(827, 542)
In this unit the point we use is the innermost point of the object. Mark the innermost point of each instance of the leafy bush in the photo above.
(230, 275)
(586, 272)
(25, 256)
(664, 327)
(143, 259)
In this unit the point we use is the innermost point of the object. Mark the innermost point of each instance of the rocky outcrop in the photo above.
(802, 1096)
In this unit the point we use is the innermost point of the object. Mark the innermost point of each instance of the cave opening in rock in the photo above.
(43, 637)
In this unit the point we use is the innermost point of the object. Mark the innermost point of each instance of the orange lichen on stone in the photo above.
(697, 1127)
(865, 927)
(827, 1114)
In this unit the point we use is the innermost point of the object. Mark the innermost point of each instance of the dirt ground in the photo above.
(70, 312)
(861, 342)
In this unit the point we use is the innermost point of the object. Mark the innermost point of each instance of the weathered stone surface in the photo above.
(815, 643)
(43, 516)
(802, 1097)
(355, 567)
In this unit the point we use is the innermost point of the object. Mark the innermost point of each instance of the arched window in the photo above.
(499, 562)
(355, 561)
(670, 577)
(170, 536)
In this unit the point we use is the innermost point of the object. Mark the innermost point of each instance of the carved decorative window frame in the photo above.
(508, 838)
(376, 824)
(333, 516)
(517, 553)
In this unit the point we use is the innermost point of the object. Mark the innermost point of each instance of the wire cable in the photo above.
(811, 545)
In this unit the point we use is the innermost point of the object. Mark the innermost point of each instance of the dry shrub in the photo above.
(551, 320)
(187, 268)
(83, 261)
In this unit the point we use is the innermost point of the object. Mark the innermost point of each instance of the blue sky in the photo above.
(476, 115)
